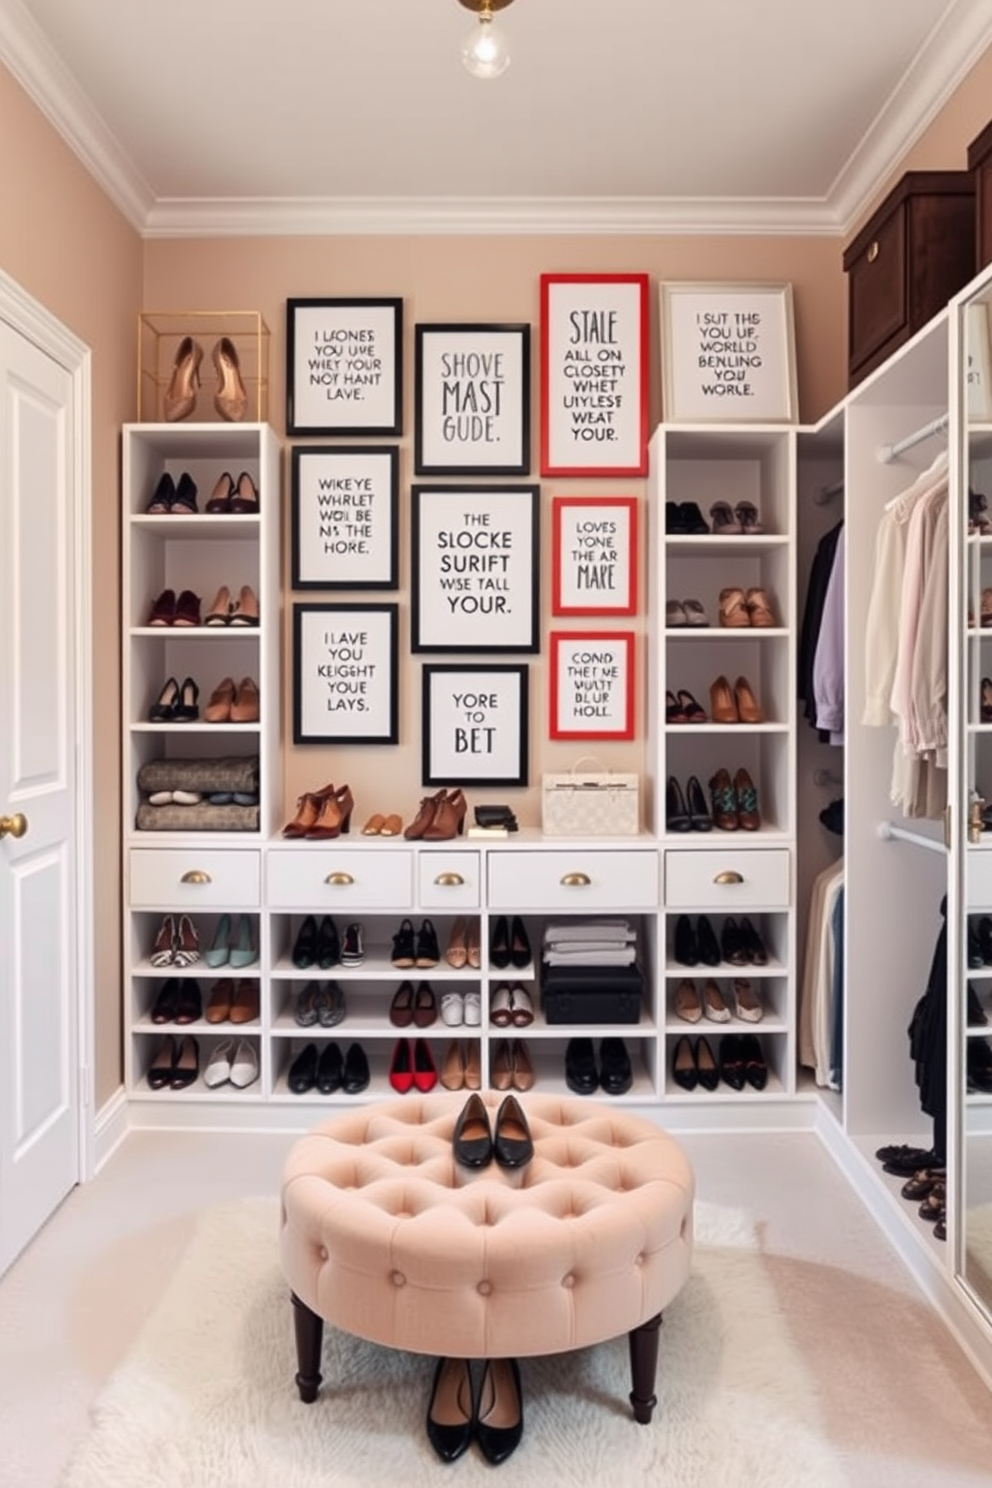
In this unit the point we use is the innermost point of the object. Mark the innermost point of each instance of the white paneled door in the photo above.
(40, 894)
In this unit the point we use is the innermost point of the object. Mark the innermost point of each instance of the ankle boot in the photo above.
(448, 819)
(424, 817)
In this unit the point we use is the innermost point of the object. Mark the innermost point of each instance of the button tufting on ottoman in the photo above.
(385, 1236)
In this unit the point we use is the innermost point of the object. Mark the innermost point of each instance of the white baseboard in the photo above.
(110, 1127)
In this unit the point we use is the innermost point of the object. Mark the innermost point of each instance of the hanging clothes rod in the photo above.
(890, 452)
(889, 832)
(827, 493)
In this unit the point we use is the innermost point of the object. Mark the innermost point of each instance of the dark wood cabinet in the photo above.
(914, 253)
(980, 165)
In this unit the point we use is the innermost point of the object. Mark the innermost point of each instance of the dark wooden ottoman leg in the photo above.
(309, 1337)
(643, 1365)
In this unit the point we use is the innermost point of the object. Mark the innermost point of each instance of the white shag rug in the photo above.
(206, 1398)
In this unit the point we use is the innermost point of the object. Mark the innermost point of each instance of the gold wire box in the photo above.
(160, 336)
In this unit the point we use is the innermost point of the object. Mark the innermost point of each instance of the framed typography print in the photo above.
(472, 400)
(474, 583)
(345, 673)
(594, 374)
(475, 725)
(344, 516)
(728, 353)
(344, 366)
(591, 685)
(594, 555)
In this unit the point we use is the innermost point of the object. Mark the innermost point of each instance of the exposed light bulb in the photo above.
(485, 53)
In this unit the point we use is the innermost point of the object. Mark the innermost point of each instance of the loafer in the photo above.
(513, 1146)
(356, 1070)
(616, 1074)
(472, 1138)
(451, 1410)
(330, 1069)
(303, 1071)
(581, 1074)
(500, 1398)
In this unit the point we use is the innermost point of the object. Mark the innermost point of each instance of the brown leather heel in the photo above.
(180, 399)
(307, 811)
(230, 399)
(335, 815)
(424, 817)
(748, 707)
(723, 707)
(448, 819)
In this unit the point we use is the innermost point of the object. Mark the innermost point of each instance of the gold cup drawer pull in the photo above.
(450, 881)
(339, 880)
(728, 876)
(13, 826)
(196, 876)
(873, 251)
(576, 881)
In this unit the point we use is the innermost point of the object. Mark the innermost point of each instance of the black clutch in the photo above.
(495, 816)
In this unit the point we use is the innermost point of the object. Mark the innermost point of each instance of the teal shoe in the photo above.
(220, 950)
(244, 951)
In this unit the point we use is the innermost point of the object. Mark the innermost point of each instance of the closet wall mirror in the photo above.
(974, 1020)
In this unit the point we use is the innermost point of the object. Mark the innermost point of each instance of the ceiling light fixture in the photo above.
(485, 52)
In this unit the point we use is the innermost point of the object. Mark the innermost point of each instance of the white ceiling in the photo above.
(615, 115)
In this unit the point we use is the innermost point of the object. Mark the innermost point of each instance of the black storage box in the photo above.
(980, 165)
(592, 994)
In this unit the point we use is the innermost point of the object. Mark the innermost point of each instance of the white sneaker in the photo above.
(452, 1009)
(244, 1064)
(473, 1008)
(218, 1069)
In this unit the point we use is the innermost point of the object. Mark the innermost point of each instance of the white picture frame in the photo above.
(728, 353)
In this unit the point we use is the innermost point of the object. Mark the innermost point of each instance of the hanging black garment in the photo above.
(928, 1041)
(816, 594)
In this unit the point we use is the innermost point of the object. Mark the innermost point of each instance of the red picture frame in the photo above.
(594, 374)
(594, 555)
(591, 684)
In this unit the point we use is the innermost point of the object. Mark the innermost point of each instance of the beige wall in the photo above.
(64, 243)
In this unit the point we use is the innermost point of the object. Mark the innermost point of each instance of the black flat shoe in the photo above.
(167, 1002)
(472, 1140)
(615, 1072)
(755, 1068)
(709, 947)
(699, 816)
(328, 944)
(499, 1420)
(305, 949)
(451, 1410)
(676, 810)
(731, 1061)
(356, 1070)
(686, 944)
(303, 1071)
(580, 1066)
(512, 1143)
(520, 951)
(499, 944)
(684, 1064)
(189, 1003)
(330, 1069)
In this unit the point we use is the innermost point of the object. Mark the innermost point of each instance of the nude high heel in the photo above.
(230, 399)
(180, 399)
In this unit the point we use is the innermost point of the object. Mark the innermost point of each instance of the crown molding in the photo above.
(488, 216)
(946, 57)
(30, 58)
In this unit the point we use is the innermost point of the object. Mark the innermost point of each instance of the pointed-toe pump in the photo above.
(699, 817)
(219, 612)
(499, 1421)
(245, 611)
(424, 1068)
(748, 708)
(676, 810)
(180, 397)
(218, 710)
(164, 709)
(230, 399)
(451, 1411)
(401, 1067)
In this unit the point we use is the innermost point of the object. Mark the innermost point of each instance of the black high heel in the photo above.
(305, 949)
(684, 1064)
(709, 949)
(500, 1397)
(164, 711)
(699, 816)
(187, 709)
(676, 811)
(686, 944)
(520, 951)
(452, 1398)
(499, 944)
(328, 944)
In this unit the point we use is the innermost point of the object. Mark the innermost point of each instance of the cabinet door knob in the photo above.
(13, 826)
(728, 876)
(449, 881)
(873, 251)
(339, 880)
(196, 876)
(576, 881)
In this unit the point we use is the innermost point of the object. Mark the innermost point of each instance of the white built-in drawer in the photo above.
(338, 879)
(191, 878)
(727, 881)
(578, 880)
(449, 880)
(978, 880)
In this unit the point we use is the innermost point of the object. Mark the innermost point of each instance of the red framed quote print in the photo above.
(594, 555)
(594, 374)
(591, 685)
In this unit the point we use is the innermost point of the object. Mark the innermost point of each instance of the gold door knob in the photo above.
(339, 880)
(13, 826)
(576, 881)
(449, 881)
(196, 876)
(729, 877)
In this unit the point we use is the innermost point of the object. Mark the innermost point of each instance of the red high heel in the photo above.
(335, 815)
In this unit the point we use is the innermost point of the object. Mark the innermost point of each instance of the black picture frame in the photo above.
(476, 724)
(472, 399)
(345, 670)
(344, 516)
(460, 605)
(344, 366)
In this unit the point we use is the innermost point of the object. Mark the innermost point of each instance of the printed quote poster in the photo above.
(728, 353)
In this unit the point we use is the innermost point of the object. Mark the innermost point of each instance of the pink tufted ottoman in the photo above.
(384, 1236)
